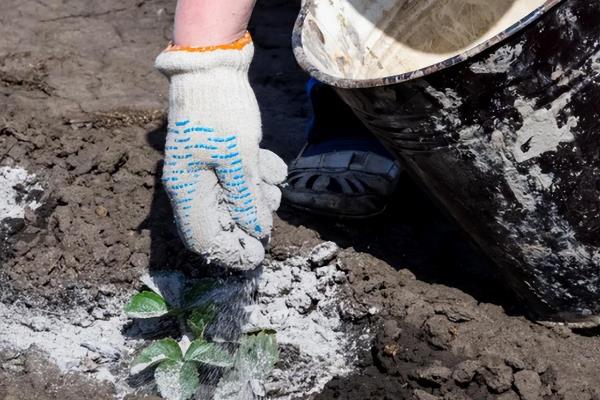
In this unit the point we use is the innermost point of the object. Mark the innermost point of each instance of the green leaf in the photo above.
(165, 349)
(208, 353)
(169, 284)
(200, 318)
(147, 305)
(198, 291)
(177, 380)
(257, 355)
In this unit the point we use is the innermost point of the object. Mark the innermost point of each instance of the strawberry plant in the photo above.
(256, 356)
(177, 363)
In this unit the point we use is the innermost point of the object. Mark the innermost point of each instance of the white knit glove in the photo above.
(221, 185)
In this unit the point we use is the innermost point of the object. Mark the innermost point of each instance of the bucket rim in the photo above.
(346, 83)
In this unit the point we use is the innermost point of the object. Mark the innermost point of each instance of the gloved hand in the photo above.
(221, 185)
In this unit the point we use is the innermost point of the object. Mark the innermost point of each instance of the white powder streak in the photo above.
(300, 301)
(540, 130)
(498, 62)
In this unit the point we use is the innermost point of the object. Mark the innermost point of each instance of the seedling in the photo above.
(254, 360)
(177, 362)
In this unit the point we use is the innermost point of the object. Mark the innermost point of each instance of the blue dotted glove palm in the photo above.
(222, 187)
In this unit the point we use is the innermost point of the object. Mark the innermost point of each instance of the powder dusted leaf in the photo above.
(253, 362)
(177, 380)
(165, 349)
(200, 318)
(232, 387)
(209, 353)
(147, 305)
(169, 285)
(257, 355)
(197, 292)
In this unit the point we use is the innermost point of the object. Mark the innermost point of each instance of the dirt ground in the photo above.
(84, 110)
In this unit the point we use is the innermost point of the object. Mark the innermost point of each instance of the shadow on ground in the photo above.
(414, 234)
(411, 234)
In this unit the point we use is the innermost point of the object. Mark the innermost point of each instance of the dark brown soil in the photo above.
(84, 109)
(30, 376)
(446, 326)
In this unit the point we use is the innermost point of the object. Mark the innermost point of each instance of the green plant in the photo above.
(177, 362)
(253, 361)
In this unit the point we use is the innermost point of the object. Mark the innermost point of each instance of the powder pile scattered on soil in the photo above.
(73, 342)
(16, 189)
(299, 298)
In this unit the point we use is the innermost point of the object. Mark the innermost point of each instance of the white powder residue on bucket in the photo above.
(14, 200)
(498, 62)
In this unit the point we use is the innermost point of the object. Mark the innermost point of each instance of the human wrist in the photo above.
(233, 56)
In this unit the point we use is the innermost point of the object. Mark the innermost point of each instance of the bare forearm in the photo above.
(200, 23)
